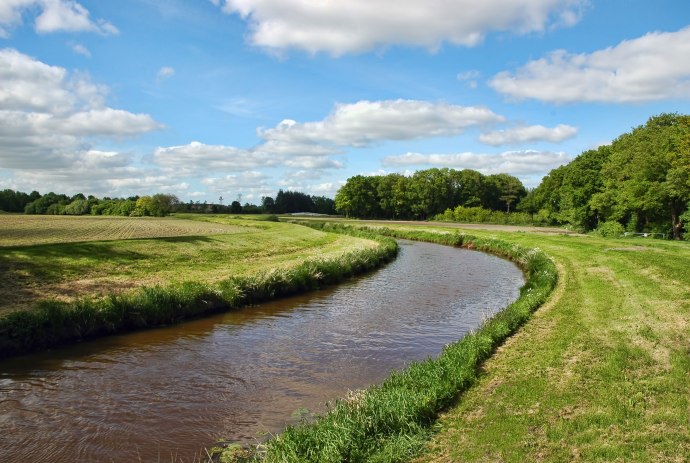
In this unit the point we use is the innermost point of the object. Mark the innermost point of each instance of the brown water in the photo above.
(164, 395)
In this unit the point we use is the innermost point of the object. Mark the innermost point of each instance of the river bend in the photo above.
(163, 395)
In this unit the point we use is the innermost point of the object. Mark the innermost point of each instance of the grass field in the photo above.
(166, 251)
(600, 373)
(29, 230)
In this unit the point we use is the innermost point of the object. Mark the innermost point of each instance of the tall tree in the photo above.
(647, 177)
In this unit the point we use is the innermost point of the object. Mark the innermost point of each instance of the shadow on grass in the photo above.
(27, 271)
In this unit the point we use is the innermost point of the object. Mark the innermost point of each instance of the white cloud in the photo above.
(511, 162)
(532, 133)
(81, 50)
(354, 26)
(50, 118)
(367, 122)
(54, 16)
(98, 172)
(310, 145)
(649, 68)
(244, 179)
(164, 73)
(197, 158)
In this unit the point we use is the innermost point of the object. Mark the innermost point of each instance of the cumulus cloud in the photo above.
(244, 179)
(367, 122)
(517, 163)
(50, 118)
(54, 16)
(98, 172)
(648, 68)
(311, 145)
(355, 26)
(197, 158)
(532, 133)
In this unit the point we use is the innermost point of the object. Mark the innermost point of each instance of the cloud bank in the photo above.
(527, 134)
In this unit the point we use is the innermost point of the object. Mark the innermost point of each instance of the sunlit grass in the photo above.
(52, 323)
(599, 374)
(67, 271)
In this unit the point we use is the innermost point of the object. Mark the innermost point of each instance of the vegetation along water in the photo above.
(153, 395)
(114, 286)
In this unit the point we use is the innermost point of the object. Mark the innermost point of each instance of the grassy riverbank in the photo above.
(599, 374)
(177, 278)
(390, 421)
(92, 259)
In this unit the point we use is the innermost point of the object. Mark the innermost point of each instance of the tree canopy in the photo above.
(426, 193)
(641, 181)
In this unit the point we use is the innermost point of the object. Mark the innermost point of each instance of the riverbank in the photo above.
(391, 421)
(269, 260)
(598, 374)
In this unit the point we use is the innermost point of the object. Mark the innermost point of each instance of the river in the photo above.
(163, 395)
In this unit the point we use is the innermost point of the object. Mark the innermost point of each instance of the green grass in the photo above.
(68, 271)
(52, 323)
(599, 374)
(390, 421)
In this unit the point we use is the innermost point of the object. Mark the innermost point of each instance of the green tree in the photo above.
(235, 207)
(647, 177)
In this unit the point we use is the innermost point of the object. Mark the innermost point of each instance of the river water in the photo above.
(163, 395)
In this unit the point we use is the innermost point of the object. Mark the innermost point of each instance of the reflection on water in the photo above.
(162, 395)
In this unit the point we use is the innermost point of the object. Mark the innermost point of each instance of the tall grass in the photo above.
(390, 421)
(55, 323)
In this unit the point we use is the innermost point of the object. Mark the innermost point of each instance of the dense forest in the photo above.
(157, 205)
(638, 183)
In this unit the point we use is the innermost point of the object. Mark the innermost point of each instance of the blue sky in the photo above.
(212, 98)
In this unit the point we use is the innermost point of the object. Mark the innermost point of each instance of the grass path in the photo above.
(601, 373)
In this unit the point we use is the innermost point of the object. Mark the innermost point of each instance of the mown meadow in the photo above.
(64, 292)
(64, 258)
(598, 373)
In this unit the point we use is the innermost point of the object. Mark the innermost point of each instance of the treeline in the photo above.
(427, 193)
(638, 183)
(157, 205)
(60, 204)
(287, 202)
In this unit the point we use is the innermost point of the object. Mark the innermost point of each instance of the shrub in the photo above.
(610, 229)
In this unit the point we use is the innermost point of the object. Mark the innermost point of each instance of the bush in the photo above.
(610, 229)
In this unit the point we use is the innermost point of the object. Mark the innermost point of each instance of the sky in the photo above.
(240, 98)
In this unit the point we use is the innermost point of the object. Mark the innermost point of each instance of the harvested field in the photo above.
(28, 230)
(205, 249)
